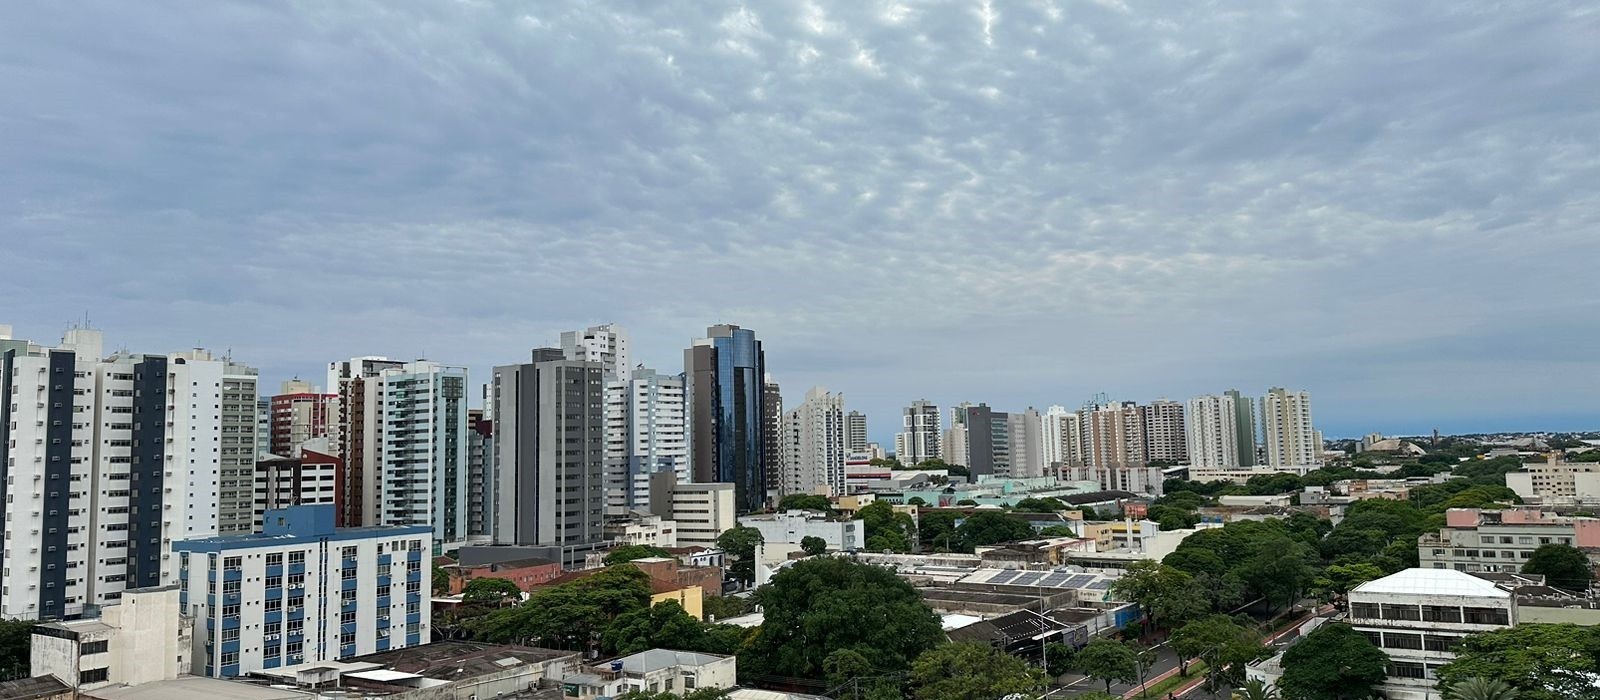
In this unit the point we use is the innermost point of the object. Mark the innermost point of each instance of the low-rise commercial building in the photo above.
(143, 638)
(641, 528)
(1474, 540)
(1557, 482)
(701, 511)
(303, 591)
(790, 527)
(653, 671)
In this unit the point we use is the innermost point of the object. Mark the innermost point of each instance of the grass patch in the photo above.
(1160, 690)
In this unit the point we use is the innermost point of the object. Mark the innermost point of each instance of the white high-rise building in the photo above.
(406, 448)
(107, 462)
(606, 344)
(814, 441)
(1025, 431)
(1113, 436)
(644, 435)
(1164, 437)
(956, 443)
(1213, 432)
(920, 440)
(1286, 426)
(1062, 436)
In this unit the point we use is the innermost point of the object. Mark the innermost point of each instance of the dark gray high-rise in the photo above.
(725, 392)
(1244, 418)
(988, 441)
(549, 451)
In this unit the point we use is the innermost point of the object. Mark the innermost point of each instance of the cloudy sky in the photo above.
(1393, 205)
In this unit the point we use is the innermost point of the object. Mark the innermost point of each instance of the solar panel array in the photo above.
(1048, 579)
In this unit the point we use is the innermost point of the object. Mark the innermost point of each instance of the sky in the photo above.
(1393, 205)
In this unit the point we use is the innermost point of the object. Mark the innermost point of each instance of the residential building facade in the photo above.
(645, 434)
(1500, 541)
(919, 438)
(1163, 427)
(303, 591)
(606, 344)
(1212, 432)
(1286, 425)
(815, 445)
(300, 413)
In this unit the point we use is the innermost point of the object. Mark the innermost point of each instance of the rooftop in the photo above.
(32, 688)
(449, 661)
(657, 659)
(1433, 582)
(196, 688)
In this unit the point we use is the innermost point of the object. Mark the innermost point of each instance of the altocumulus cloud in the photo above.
(1391, 204)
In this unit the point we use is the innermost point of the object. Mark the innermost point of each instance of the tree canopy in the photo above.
(991, 527)
(631, 552)
(813, 545)
(571, 615)
(819, 606)
(1222, 643)
(804, 501)
(490, 591)
(740, 544)
(968, 670)
(1039, 505)
(1108, 661)
(666, 626)
(886, 529)
(16, 644)
(1563, 566)
(1542, 662)
(1334, 662)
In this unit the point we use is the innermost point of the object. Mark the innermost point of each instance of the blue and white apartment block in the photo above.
(303, 591)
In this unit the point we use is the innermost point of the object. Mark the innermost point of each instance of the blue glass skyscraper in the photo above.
(724, 375)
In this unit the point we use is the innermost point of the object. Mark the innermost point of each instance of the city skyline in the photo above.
(1387, 207)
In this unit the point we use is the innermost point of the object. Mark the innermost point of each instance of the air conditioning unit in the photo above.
(271, 637)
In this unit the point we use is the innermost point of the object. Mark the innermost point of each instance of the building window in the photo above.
(230, 634)
(297, 557)
(1367, 611)
(274, 605)
(1402, 640)
(1405, 669)
(347, 639)
(1401, 612)
(347, 553)
(275, 559)
(1441, 613)
(1436, 643)
(231, 610)
(275, 581)
(95, 647)
(232, 563)
(94, 675)
(1486, 616)
(230, 658)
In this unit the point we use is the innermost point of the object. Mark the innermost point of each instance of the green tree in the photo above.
(937, 531)
(1337, 580)
(740, 544)
(1221, 642)
(1563, 566)
(665, 625)
(569, 616)
(1173, 518)
(1334, 662)
(1166, 595)
(1480, 689)
(992, 527)
(490, 591)
(1542, 662)
(916, 501)
(813, 545)
(968, 670)
(1039, 505)
(844, 666)
(1108, 661)
(631, 552)
(886, 529)
(1059, 659)
(1280, 570)
(801, 501)
(1088, 513)
(16, 644)
(722, 607)
(819, 606)
(441, 580)
(1254, 689)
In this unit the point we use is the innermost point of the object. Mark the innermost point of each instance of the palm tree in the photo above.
(1481, 689)
(1254, 689)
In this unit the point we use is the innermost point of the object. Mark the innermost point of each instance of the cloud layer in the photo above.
(1390, 204)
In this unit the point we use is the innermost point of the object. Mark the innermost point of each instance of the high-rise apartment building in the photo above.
(988, 436)
(771, 434)
(263, 425)
(955, 444)
(302, 592)
(1025, 430)
(480, 475)
(644, 435)
(855, 431)
(237, 460)
(1212, 432)
(549, 440)
(1164, 437)
(724, 386)
(106, 462)
(606, 344)
(1286, 426)
(1113, 436)
(404, 433)
(356, 433)
(1062, 436)
(282, 482)
(300, 413)
(1244, 420)
(816, 444)
(919, 441)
